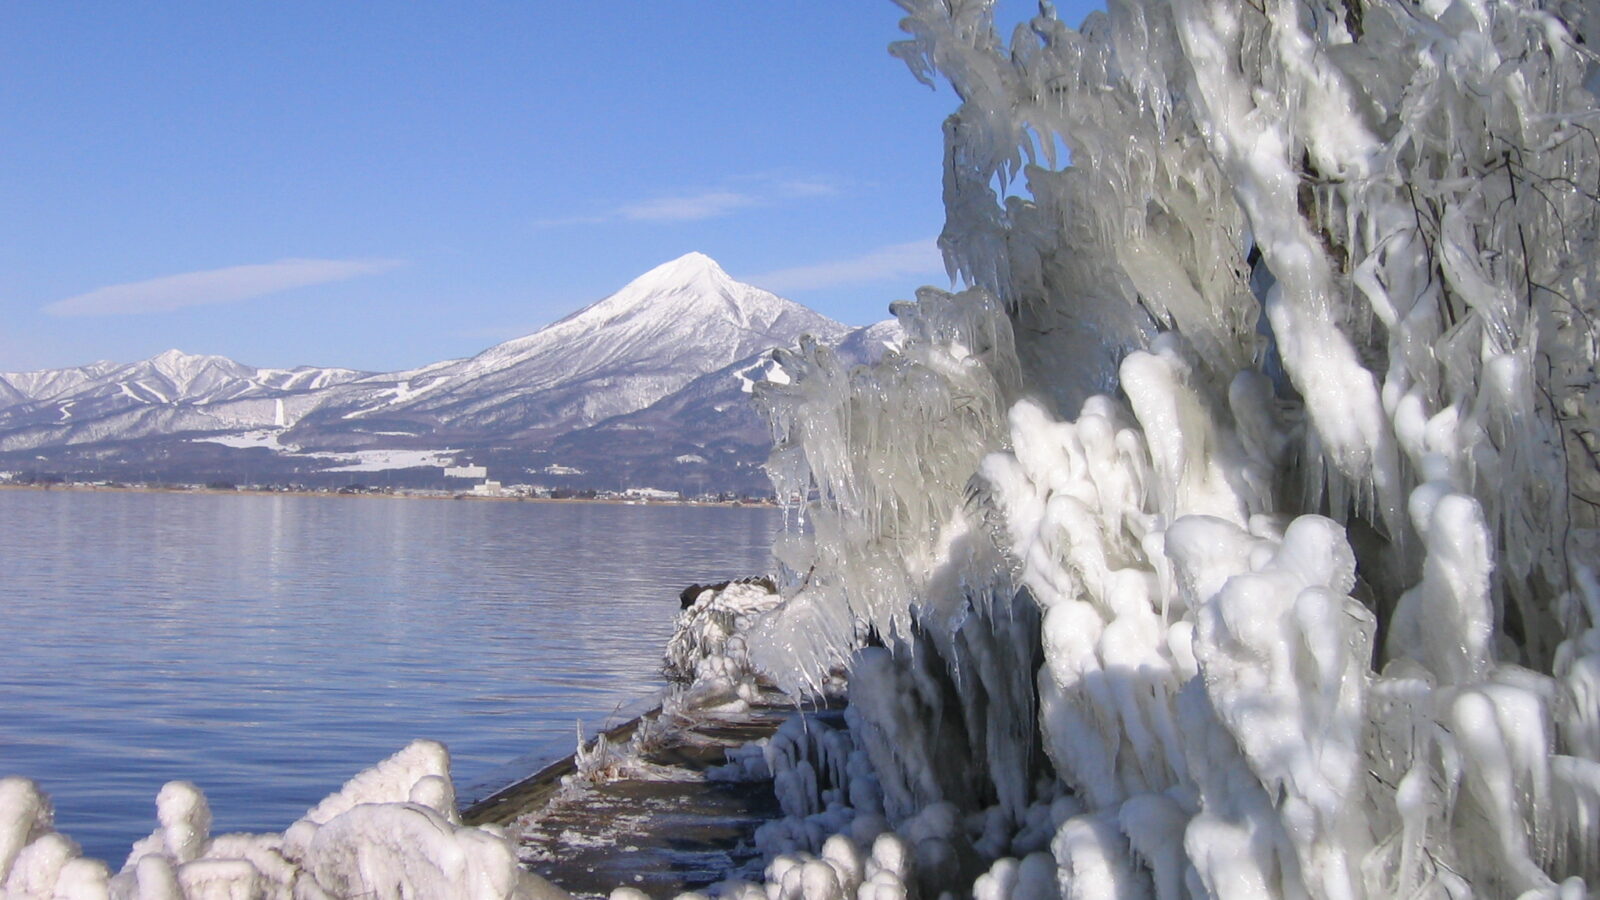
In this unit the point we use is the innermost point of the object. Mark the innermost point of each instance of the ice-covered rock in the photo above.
(707, 654)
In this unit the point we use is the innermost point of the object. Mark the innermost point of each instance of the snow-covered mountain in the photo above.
(674, 323)
(166, 394)
(682, 326)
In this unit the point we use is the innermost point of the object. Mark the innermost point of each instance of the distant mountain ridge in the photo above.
(166, 377)
(517, 406)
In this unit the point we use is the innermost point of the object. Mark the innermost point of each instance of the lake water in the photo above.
(268, 647)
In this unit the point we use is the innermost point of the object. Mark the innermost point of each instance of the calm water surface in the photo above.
(269, 647)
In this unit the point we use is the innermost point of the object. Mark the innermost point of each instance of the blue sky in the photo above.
(382, 185)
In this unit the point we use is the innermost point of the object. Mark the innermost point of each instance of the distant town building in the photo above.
(488, 489)
(466, 472)
(651, 494)
(558, 469)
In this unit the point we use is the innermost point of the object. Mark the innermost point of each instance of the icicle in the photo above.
(1291, 438)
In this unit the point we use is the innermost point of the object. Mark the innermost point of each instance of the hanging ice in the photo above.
(1234, 533)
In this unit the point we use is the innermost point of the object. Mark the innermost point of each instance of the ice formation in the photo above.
(706, 654)
(1234, 533)
(390, 832)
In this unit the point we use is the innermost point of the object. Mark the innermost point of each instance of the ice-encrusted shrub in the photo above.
(1274, 391)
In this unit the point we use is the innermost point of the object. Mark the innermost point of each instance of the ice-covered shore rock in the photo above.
(706, 654)
(391, 832)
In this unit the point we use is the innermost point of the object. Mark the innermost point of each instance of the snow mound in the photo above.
(390, 832)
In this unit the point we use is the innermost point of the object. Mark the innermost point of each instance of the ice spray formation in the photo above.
(1234, 532)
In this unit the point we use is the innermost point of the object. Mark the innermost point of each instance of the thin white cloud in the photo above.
(895, 261)
(738, 194)
(228, 285)
(808, 189)
(691, 208)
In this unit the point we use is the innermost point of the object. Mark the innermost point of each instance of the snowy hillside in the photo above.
(170, 377)
(706, 435)
(677, 323)
(169, 393)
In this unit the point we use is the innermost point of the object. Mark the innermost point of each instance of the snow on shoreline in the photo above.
(393, 830)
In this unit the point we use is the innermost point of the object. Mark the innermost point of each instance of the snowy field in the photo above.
(355, 461)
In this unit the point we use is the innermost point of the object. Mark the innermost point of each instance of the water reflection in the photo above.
(267, 647)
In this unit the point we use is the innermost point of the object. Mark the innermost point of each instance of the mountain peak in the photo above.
(172, 362)
(692, 285)
(696, 258)
(685, 309)
(175, 361)
(688, 269)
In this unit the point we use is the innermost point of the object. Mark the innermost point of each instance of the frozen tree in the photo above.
(1235, 531)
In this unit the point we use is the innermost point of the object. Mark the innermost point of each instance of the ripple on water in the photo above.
(268, 647)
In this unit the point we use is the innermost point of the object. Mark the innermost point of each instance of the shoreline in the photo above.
(400, 494)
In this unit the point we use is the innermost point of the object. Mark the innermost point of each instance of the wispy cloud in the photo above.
(815, 188)
(894, 261)
(228, 285)
(690, 208)
(736, 194)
